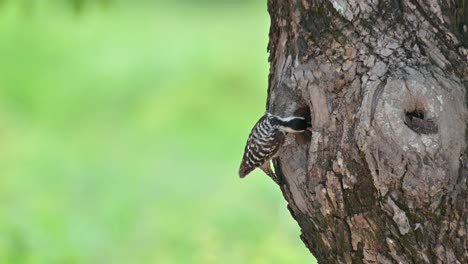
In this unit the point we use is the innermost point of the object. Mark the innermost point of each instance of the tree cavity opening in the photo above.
(416, 119)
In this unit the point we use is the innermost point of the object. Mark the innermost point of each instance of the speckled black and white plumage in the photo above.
(264, 141)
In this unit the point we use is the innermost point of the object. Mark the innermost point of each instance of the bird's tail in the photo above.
(244, 170)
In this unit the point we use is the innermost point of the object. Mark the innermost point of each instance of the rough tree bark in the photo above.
(383, 176)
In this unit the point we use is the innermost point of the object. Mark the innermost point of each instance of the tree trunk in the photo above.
(383, 176)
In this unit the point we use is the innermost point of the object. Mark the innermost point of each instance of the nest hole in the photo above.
(416, 119)
(418, 113)
(304, 138)
(304, 111)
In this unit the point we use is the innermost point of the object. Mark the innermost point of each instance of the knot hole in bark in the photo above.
(417, 119)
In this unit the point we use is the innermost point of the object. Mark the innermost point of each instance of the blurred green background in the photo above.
(122, 126)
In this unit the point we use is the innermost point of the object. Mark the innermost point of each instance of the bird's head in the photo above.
(293, 124)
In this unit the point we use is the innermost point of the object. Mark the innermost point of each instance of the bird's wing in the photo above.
(259, 150)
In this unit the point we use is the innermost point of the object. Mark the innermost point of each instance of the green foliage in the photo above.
(121, 134)
(79, 6)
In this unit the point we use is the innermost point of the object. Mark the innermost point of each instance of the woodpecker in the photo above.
(264, 141)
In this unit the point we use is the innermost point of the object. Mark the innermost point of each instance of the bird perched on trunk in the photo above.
(264, 141)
